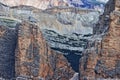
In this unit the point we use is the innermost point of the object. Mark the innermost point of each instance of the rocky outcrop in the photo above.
(35, 60)
(24, 54)
(103, 61)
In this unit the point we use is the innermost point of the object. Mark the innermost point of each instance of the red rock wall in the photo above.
(104, 61)
(34, 58)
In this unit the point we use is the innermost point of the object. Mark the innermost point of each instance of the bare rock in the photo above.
(103, 62)
(35, 59)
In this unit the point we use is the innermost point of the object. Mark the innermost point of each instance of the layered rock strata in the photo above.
(35, 60)
(69, 28)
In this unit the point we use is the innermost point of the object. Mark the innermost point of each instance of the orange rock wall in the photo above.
(104, 61)
(35, 59)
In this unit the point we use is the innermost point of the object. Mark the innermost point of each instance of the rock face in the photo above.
(69, 34)
(32, 48)
(35, 60)
(8, 38)
(58, 24)
(24, 54)
(92, 50)
(103, 61)
(104, 20)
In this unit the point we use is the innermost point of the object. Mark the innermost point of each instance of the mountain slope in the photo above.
(44, 4)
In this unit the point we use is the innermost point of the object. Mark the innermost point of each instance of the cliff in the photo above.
(60, 43)
(34, 58)
(32, 61)
(103, 62)
(58, 24)
(26, 55)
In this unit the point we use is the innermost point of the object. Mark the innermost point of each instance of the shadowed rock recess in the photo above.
(8, 40)
(59, 43)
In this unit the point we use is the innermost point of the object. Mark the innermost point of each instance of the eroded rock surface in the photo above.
(103, 61)
(71, 31)
(69, 28)
(35, 60)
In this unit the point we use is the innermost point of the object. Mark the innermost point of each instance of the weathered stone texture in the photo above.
(104, 63)
(104, 20)
(35, 59)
